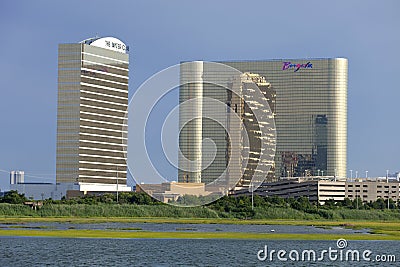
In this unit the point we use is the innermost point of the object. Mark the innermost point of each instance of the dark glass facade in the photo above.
(308, 99)
(310, 114)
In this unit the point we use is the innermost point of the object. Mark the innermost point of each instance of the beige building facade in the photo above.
(93, 80)
(372, 189)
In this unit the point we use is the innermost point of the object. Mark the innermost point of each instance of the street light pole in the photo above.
(388, 199)
(252, 196)
(357, 198)
(117, 186)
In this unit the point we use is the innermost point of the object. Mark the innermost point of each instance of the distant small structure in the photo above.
(17, 177)
(171, 191)
(395, 175)
(34, 204)
(42, 191)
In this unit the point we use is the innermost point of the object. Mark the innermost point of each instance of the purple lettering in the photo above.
(286, 65)
(296, 67)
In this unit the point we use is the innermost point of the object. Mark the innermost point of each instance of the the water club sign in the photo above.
(111, 43)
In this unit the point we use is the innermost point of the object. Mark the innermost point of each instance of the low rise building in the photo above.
(40, 191)
(322, 188)
(314, 188)
(171, 191)
(373, 189)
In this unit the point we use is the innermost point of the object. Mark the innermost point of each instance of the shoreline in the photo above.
(79, 220)
(110, 234)
(380, 230)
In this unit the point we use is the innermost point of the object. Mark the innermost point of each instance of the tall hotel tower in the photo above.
(92, 109)
(308, 100)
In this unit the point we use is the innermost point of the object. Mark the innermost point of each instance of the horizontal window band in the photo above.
(109, 58)
(98, 81)
(102, 163)
(106, 73)
(105, 136)
(108, 109)
(100, 149)
(103, 143)
(106, 95)
(101, 115)
(120, 162)
(101, 173)
(105, 65)
(102, 170)
(99, 156)
(105, 102)
(102, 122)
(109, 91)
(103, 129)
(103, 80)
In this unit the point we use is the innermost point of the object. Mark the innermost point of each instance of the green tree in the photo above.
(302, 204)
(379, 204)
(13, 197)
(347, 203)
(141, 199)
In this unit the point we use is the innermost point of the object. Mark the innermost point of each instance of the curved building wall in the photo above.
(311, 113)
(310, 110)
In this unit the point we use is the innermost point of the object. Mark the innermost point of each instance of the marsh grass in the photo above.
(107, 210)
(188, 235)
(167, 211)
(380, 230)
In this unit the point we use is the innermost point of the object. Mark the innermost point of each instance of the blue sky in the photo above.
(163, 33)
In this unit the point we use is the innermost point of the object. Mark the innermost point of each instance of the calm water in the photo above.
(168, 252)
(171, 227)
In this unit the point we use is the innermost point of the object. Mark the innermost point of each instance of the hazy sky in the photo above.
(163, 33)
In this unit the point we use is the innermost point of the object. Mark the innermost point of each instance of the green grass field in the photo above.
(381, 230)
(73, 233)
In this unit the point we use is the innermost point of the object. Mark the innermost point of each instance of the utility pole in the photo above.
(117, 186)
(388, 199)
(252, 196)
(357, 198)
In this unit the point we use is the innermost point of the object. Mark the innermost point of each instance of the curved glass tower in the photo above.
(308, 99)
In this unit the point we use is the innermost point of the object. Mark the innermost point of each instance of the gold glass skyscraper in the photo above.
(92, 109)
(308, 99)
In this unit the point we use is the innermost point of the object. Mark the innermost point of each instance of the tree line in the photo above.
(226, 203)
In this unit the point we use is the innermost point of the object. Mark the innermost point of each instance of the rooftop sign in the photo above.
(289, 65)
(111, 43)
